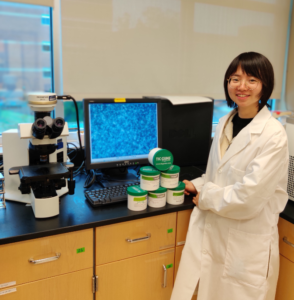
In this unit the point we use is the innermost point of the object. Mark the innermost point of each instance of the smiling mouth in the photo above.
(242, 96)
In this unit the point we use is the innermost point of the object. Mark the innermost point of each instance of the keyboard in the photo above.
(109, 195)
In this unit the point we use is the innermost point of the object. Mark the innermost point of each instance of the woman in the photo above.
(232, 245)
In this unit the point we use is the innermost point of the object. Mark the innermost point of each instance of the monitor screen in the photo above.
(120, 133)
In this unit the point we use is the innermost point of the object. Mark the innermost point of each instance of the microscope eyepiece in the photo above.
(57, 127)
(39, 128)
(59, 123)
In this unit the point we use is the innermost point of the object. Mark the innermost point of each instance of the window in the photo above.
(70, 114)
(221, 109)
(25, 59)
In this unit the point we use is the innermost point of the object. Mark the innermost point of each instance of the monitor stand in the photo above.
(118, 176)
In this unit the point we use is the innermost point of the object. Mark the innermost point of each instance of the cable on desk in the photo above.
(91, 178)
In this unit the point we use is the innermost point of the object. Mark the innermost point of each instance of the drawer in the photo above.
(140, 277)
(14, 258)
(285, 287)
(112, 244)
(73, 286)
(286, 231)
(183, 219)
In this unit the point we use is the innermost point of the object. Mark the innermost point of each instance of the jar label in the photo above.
(169, 175)
(178, 194)
(156, 195)
(150, 178)
(140, 198)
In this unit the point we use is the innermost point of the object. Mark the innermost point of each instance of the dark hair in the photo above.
(257, 65)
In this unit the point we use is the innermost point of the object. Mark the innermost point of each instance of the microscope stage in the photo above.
(36, 173)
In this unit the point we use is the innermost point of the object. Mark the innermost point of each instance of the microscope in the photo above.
(37, 153)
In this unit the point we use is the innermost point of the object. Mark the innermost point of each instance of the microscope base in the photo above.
(45, 207)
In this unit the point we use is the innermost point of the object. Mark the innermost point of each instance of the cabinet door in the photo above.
(286, 238)
(144, 236)
(285, 288)
(183, 219)
(138, 278)
(178, 255)
(72, 286)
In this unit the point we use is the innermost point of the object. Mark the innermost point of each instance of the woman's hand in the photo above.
(189, 188)
(196, 199)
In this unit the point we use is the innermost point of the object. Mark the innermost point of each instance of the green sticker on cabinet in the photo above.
(170, 230)
(169, 266)
(80, 250)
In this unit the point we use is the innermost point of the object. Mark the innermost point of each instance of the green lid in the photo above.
(180, 187)
(160, 190)
(162, 159)
(172, 170)
(149, 171)
(135, 190)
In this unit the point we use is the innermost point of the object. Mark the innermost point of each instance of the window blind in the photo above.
(157, 47)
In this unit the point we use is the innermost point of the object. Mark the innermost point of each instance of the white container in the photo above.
(161, 159)
(137, 198)
(149, 178)
(157, 198)
(170, 178)
(176, 196)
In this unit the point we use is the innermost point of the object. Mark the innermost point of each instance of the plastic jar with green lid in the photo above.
(170, 178)
(149, 178)
(137, 198)
(157, 198)
(161, 159)
(176, 196)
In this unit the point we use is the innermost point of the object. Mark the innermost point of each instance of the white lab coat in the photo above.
(232, 245)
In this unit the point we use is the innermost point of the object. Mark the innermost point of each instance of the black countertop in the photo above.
(18, 223)
(288, 213)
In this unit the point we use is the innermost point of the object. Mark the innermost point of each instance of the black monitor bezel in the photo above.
(117, 164)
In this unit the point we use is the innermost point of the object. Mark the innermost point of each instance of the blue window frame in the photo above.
(26, 63)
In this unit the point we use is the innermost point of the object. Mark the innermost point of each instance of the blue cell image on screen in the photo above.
(122, 129)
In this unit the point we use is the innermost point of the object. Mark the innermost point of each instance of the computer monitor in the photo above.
(120, 132)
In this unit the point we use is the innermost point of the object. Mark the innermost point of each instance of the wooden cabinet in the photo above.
(138, 252)
(14, 258)
(54, 267)
(143, 235)
(183, 219)
(72, 286)
(133, 260)
(285, 287)
(141, 277)
(286, 239)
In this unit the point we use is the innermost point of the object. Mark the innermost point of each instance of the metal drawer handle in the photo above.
(164, 276)
(287, 242)
(44, 260)
(147, 237)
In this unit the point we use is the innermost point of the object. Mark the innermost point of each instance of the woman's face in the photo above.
(240, 92)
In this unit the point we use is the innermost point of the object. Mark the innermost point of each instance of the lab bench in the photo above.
(105, 253)
(93, 253)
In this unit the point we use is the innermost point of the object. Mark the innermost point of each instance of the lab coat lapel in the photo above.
(244, 137)
(223, 122)
(239, 143)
